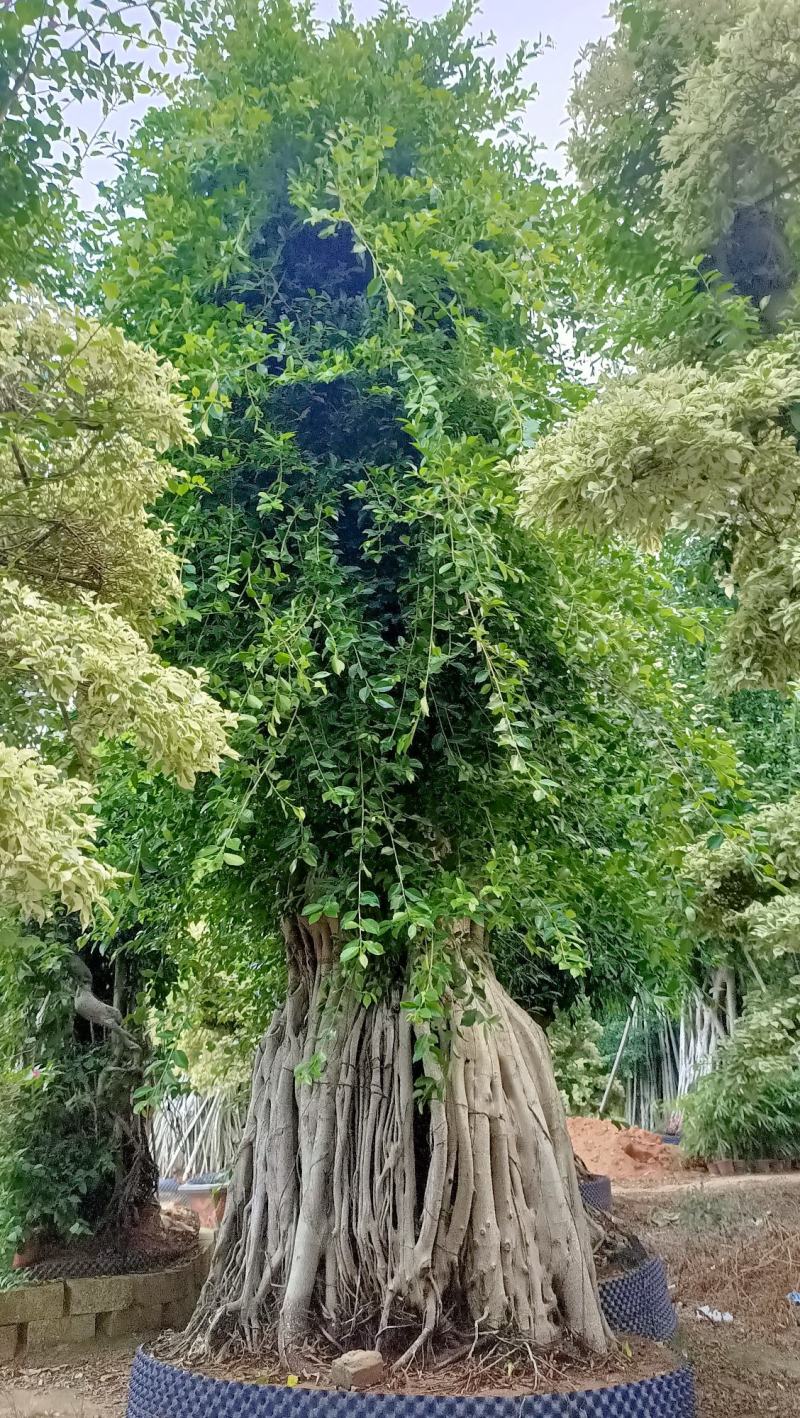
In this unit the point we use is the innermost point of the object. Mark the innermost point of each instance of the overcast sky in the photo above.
(569, 23)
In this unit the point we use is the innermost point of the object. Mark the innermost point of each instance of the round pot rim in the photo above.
(645, 1396)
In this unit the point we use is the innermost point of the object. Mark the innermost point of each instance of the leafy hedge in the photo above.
(749, 1105)
(57, 1099)
(581, 1069)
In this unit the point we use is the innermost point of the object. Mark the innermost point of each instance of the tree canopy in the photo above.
(732, 145)
(706, 447)
(710, 452)
(426, 693)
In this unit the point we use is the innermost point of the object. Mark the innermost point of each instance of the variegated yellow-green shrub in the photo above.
(46, 837)
(85, 570)
(695, 450)
(735, 137)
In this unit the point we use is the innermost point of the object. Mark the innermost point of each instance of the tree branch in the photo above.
(20, 462)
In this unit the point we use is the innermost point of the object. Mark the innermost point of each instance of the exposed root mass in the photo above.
(346, 1215)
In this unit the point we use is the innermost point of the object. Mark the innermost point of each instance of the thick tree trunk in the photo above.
(348, 1215)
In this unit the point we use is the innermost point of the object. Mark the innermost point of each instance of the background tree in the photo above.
(626, 88)
(86, 575)
(746, 904)
(724, 162)
(363, 292)
(676, 88)
(56, 55)
(698, 161)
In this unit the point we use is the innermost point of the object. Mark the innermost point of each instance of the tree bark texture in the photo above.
(353, 1214)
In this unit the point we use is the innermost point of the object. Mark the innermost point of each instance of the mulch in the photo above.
(495, 1369)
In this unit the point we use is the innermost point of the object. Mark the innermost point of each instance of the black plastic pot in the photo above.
(640, 1302)
(597, 1191)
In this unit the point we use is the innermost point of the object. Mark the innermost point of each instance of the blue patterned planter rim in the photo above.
(640, 1302)
(159, 1390)
(596, 1191)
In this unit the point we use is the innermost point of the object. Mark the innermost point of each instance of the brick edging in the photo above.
(37, 1319)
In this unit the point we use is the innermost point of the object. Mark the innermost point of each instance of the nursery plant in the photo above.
(362, 292)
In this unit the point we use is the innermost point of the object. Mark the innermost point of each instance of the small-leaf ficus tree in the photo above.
(361, 290)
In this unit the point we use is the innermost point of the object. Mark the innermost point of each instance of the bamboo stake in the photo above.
(615, 1066)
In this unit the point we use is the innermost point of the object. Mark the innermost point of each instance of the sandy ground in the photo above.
(50, 1403)
(80, 1385)
(732, 1243)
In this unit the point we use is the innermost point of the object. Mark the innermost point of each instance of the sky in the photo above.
(570, 24)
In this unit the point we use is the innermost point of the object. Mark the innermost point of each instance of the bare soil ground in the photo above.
(78, 1385)
(731, 1243)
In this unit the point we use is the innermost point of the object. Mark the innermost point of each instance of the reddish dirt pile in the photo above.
(620, 1153)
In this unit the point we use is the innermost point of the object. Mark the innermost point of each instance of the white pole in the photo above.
(623, 1041)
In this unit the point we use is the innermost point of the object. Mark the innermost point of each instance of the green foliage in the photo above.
(625, 91)
(219, 1006)
(642, 296)
(765, 726)
(57, 1165)
(749, 1106)
(746, 885)
(443, 716)
(733, 138)
(685, 117)
(683, 138)
(581, 1070)
(746, 904)
(55, 55)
